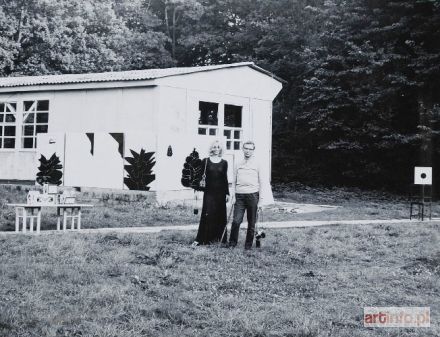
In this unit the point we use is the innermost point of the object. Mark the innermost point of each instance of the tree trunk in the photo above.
(173, 46)
(167, 24)
(424, 109)
(20, 24)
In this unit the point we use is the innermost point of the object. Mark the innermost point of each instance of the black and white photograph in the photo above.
(243, 168)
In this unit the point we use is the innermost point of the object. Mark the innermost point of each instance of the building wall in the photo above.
(179, 122)
(242, 86)
(241, 82)
(110, 110)
(179, 114)
(18, 163)
(167, 113)
(261, 114)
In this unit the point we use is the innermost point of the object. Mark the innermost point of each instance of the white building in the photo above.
(92, 121)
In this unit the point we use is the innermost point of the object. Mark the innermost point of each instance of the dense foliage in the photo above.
(139, 170)
(49, 171)
(361, 103)
(192, 171)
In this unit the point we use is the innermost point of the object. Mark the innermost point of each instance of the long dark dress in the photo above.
(213, 217)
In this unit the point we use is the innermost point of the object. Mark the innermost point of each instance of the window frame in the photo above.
(35, 124)
(19, 121)
(4, 124)
(208, 127)
(232, 141)
(221, 128)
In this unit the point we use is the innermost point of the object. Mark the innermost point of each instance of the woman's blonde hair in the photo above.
(215, 142)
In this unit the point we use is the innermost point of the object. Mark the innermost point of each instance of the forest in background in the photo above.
(361, 106)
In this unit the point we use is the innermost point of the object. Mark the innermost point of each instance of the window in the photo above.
(233, 129)
(20, 122)
(229, 115)
(8, 114)
(208, 119)
(35, 121)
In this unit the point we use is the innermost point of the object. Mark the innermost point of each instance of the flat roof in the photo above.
(131, 75)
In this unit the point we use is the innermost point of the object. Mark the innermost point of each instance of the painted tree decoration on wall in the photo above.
(192, 171)
(49, 170)
(139, 170)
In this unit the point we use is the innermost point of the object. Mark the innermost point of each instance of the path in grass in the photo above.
(265, 225)
(335, 204)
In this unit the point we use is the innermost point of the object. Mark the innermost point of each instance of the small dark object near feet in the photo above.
(260, 235)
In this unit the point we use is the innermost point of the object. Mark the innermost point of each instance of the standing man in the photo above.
(247, 185)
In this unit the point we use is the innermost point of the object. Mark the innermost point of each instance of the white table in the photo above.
(25, 211)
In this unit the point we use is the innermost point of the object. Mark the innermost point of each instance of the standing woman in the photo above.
(216, 195)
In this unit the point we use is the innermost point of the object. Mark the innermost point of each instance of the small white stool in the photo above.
(70, 213)
(27, 212)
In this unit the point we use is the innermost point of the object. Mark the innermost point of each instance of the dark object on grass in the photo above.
(260, 235)
(49, 170)
(192, 171)
(309, 274)
(140, 170)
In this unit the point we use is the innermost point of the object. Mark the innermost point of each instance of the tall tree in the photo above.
(144, 44)
(361, 102)
(175, 15)
(8, 45)
(76, 36)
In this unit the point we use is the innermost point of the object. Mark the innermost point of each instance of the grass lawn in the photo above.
(302, 282)
(353, 205)
(103, 214)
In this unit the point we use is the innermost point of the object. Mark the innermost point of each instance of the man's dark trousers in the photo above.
(244, 202)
